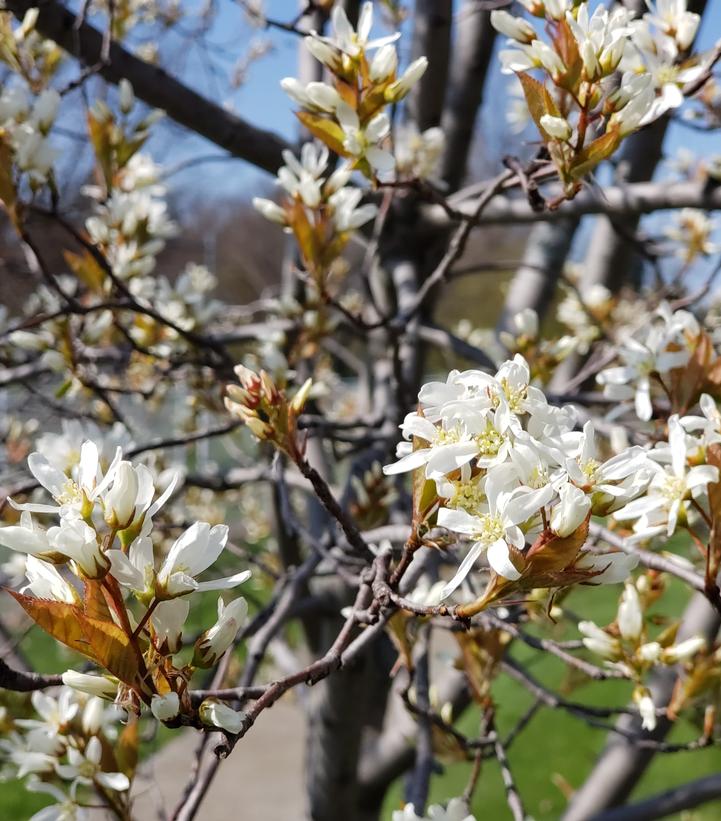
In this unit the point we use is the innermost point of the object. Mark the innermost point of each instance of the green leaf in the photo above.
(594, 153)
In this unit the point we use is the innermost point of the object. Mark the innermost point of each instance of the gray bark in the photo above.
(534, 283)
(685, 797)
(472, 53)
(431, 39)
(622, 201)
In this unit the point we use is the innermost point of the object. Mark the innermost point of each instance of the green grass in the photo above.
(556, 751)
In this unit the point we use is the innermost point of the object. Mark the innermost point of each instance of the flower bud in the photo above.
(384, 63)
(651, 652)
(298, 402)
(216, 714)
(598, 641)
(100, 686)
(214, 642)
(683, 651)
(525, 323)
(398, 90)
(92, 718)
(295, 90)
(630, 616)
(324, 53)
(556, 127)
(646, 708)
(165, 707)
(122, 496)
(322, 96)
(127, 97)
(270, 210)
(514, 27)
(571, 510)
(46, 108)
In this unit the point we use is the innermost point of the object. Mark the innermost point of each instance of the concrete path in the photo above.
(261, 781)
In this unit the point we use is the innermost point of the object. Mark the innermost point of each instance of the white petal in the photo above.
(463, 570)
(499, 559)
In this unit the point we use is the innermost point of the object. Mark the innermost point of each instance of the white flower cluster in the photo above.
(65, 751)
(692, 230)
(104, 533)
(649, 53)
(417, 154)
(132, 223)
(27, 123)
(29, 107)
(506, 464)
(351, 111)
(648, 355)
(628, 649)
(508, 467)
(322, 197)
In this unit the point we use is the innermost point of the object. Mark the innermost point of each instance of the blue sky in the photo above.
(261, 100)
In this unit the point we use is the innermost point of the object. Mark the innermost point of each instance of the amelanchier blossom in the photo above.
(105, 541)
(349, 115)
(514, 478)
(70, 746)
(648, 354)
(650, 52)
(626, 646)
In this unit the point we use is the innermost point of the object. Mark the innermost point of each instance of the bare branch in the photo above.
(156, 87)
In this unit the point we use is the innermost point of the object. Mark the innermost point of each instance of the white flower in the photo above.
(214, 712)
(192, 553)
(417, 154)
(65, 808)
(630, 616)
(361, 143)
(348, 215)
(55, 713)
(496, 528)
(215, 641)
(346, 42)
(670, 489)
(571, 511)
(613, 483)
(86, 768)
(648, 353)
(45, 582)
(674, 20)
(303, 179)
(165, 707)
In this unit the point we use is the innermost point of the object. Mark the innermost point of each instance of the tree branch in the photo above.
(155, 86)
